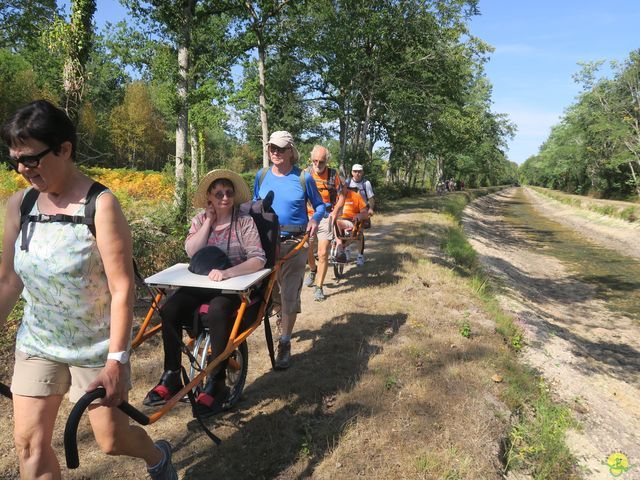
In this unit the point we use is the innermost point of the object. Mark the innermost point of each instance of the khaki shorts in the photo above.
(290, 278)
(41, 377)
(325, 230)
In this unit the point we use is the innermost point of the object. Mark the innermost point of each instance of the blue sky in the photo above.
(538, 45)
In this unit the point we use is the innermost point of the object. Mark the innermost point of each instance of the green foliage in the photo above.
(596, 147)
(456, 246)
(465, 329)
(537, 442)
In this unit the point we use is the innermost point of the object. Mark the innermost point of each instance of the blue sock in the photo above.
(285, 338)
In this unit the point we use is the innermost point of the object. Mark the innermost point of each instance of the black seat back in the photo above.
(268, 227)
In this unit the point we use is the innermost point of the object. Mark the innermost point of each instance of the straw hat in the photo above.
(242, 193)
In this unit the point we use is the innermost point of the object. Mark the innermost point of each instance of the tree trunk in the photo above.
(343, 143)
(183, 111)
(264, 123)
(635, 179)
(79, 43)
(193, 134)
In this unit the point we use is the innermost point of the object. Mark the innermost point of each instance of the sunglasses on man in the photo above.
(29, 161)
(276, 149)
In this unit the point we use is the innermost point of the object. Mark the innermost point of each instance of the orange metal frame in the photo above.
(235, 339)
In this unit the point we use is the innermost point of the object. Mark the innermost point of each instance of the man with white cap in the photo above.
(358, 181)
(293, 188)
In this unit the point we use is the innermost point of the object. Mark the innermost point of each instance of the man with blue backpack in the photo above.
(293, 189)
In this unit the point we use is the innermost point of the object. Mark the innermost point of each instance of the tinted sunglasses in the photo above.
(220, 194)
(276, 149)
(29, 161)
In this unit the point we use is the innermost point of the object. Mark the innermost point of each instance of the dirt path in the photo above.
(382, 383)
(590, 355)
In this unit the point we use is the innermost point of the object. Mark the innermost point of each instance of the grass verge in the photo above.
(620, 210)
(536, 441)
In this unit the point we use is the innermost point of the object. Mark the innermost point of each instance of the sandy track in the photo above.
(590, 356)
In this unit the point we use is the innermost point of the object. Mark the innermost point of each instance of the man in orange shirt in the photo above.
(355, 208)
(331, 189)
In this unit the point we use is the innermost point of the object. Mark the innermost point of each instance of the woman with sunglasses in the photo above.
(220, 225)
(78, 288)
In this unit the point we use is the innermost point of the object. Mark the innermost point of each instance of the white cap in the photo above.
(357, 168)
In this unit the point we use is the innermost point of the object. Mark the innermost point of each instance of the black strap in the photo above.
(268, 335)
(87, 219)
(192, 401)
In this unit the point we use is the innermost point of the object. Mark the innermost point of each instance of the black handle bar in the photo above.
(71, 428)
(5, 390)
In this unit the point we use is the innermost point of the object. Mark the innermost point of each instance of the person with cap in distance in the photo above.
(231, 246)
(293, 188)
(358, 181)
(332, 191)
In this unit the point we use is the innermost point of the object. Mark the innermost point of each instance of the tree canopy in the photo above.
(397, 86)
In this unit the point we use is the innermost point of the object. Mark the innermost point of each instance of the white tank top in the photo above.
(67, 312)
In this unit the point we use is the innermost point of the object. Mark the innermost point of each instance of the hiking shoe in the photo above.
(310, 279)
(360, 260)
(318, 294)
(169, 385)
(165, 469)
(283, 357)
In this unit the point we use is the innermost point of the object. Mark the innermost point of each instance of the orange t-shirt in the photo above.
(322, 182)
(353, 205)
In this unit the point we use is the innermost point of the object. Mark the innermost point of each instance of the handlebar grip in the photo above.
(71, 428)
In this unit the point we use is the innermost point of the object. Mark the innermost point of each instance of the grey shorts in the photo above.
(325, 230)
(41, 377)
(290, 278)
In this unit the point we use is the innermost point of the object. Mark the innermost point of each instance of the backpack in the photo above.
(360, 191)
(263, 173)
(329, 184)
(87, 219)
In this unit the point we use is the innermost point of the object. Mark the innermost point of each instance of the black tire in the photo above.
(237, 367)
(236, 378)
(338, 269)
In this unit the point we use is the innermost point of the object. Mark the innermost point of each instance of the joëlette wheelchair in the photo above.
(255, 291)
(348, 237)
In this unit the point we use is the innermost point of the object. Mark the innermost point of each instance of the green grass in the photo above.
(536, 442)
(629, 214)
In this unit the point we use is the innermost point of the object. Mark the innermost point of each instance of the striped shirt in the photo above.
(245, 239)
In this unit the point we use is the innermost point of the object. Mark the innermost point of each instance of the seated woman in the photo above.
(220, 192)
(354, 209)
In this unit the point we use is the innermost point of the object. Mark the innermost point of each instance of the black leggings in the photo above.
(179, 311)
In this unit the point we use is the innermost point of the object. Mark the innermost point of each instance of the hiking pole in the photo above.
(71, 428)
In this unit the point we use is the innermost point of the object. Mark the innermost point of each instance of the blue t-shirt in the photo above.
(289, 200)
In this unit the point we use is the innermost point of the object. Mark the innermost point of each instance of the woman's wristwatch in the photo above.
(120, 357)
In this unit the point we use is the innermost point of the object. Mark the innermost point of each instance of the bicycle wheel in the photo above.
(237, 367)
(338, 269)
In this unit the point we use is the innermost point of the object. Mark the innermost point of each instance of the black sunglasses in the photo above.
(275, 148)
(29, 161)
(220, 194)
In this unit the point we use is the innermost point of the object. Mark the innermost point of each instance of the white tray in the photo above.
(180, 276)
